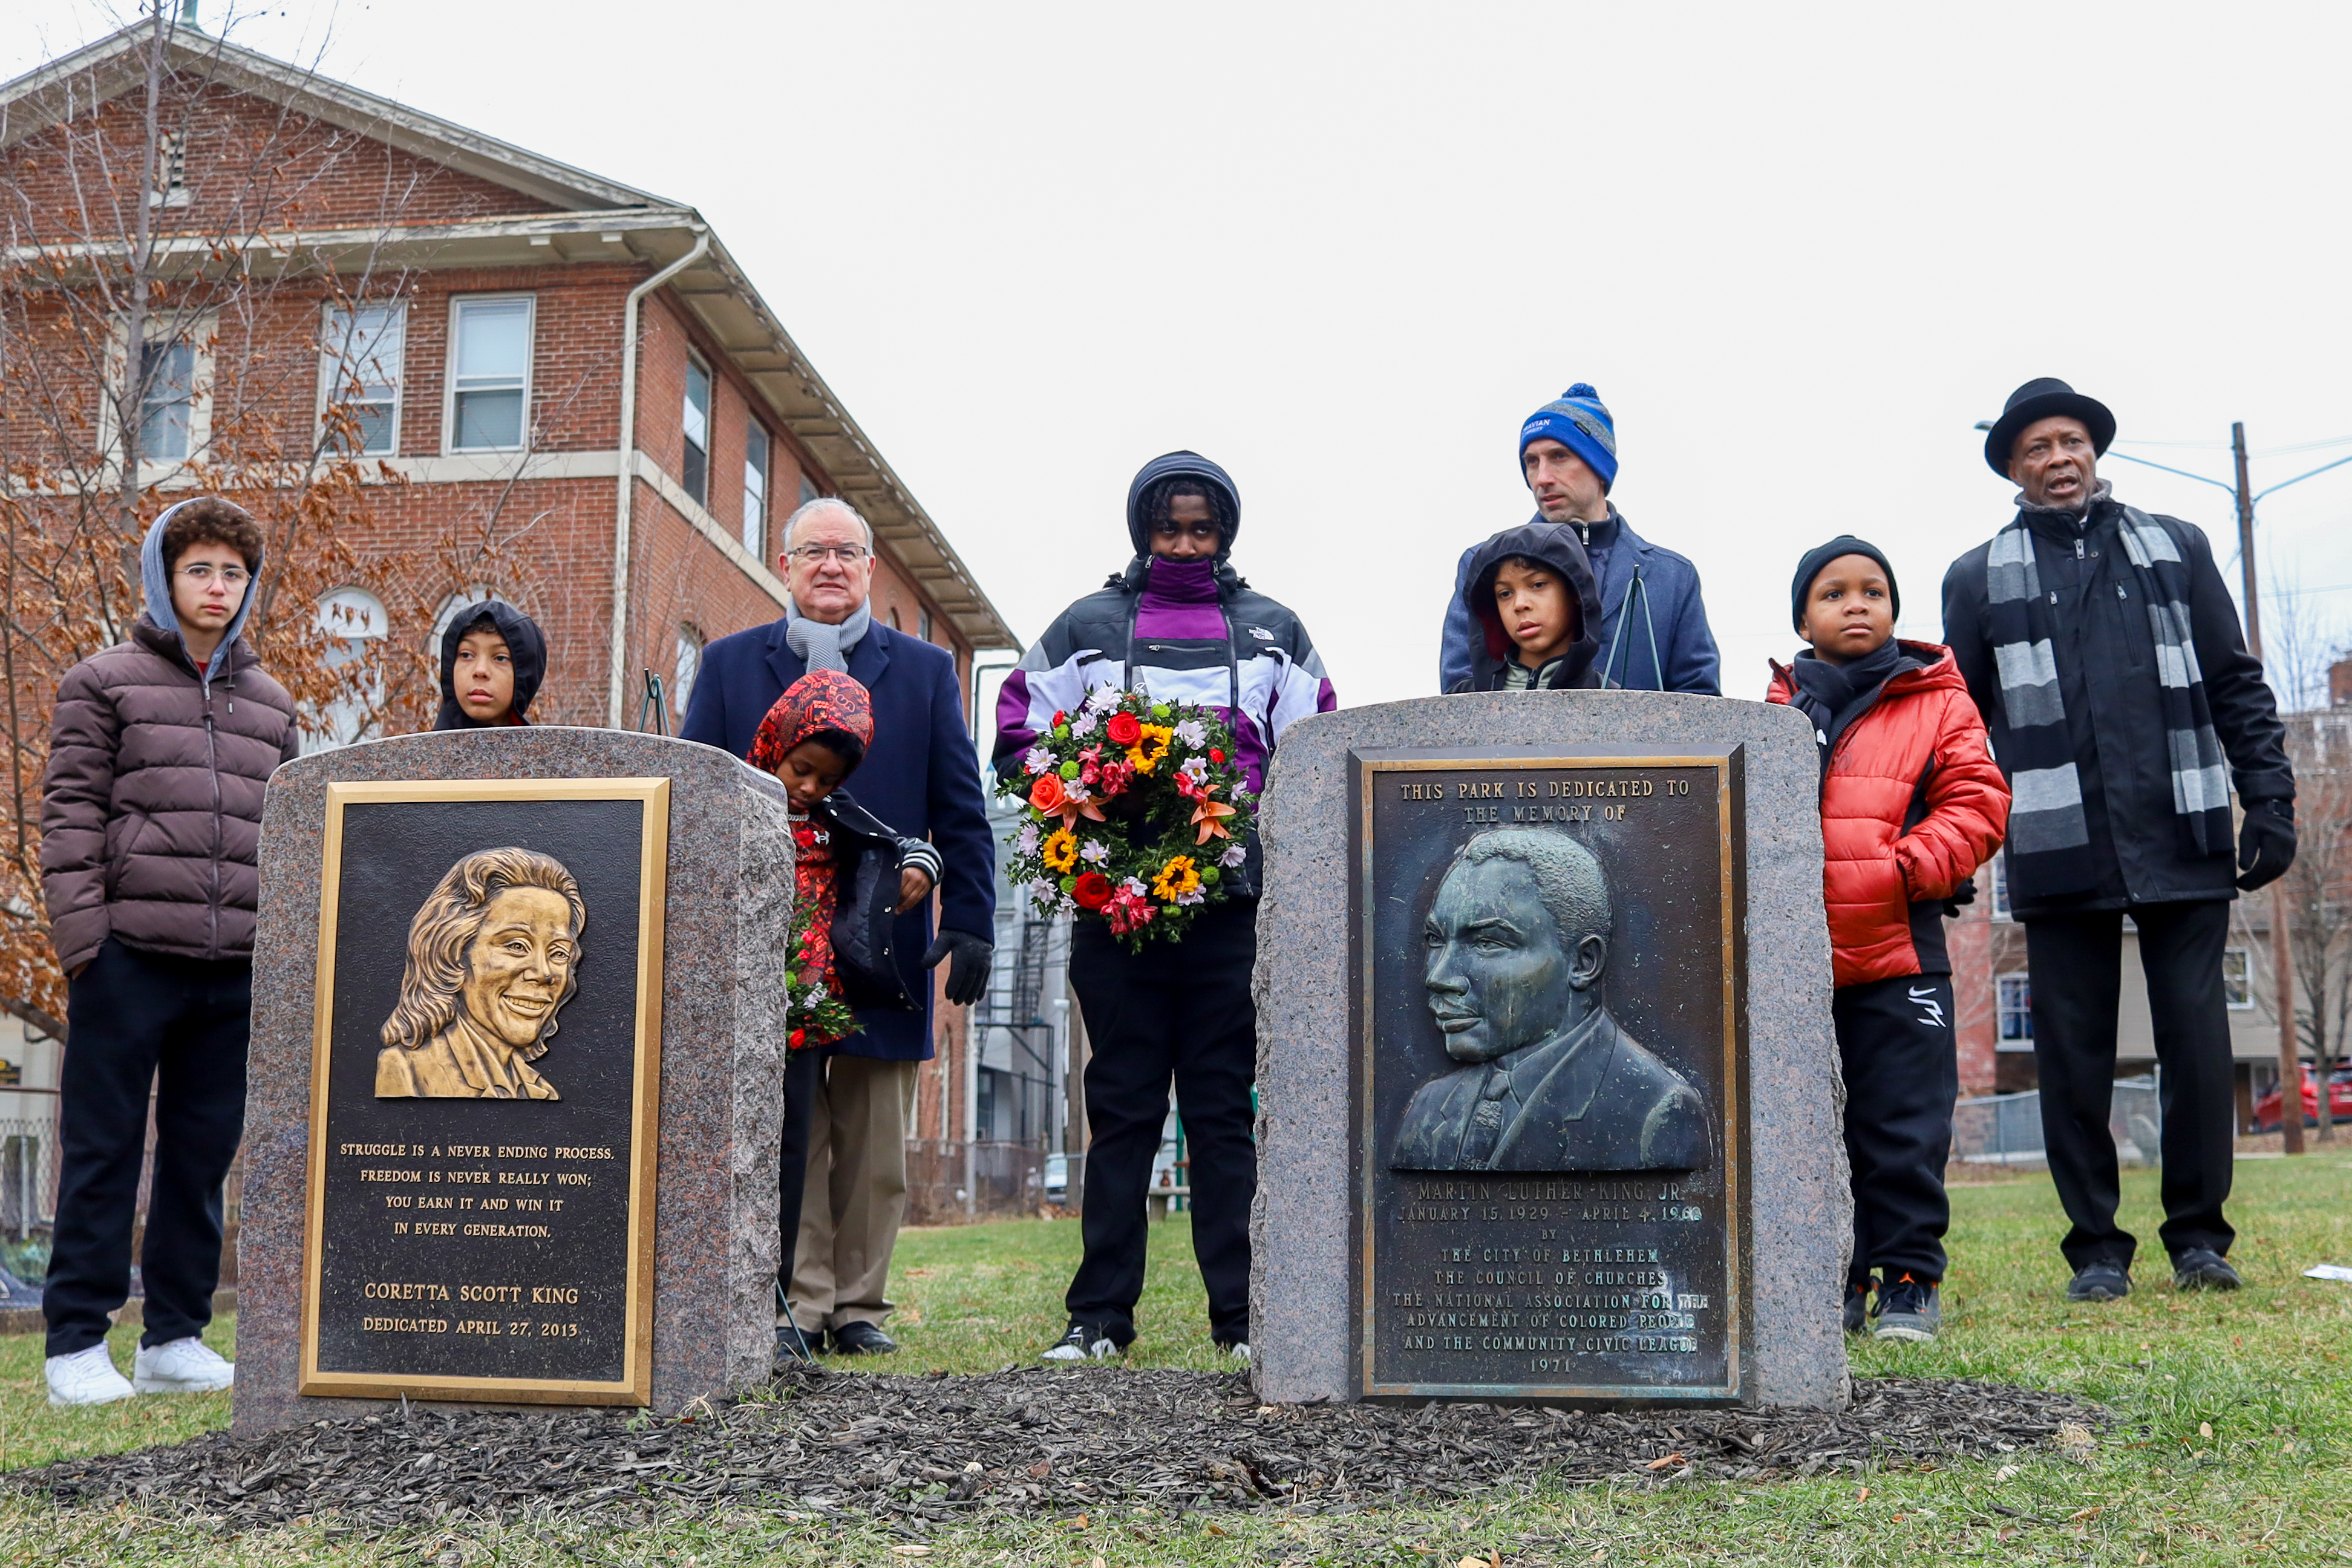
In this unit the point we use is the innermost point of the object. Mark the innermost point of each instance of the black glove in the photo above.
(2266, 843)
(1966, 893)
(968, 975)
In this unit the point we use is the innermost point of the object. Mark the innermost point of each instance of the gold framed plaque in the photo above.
(484, 1081)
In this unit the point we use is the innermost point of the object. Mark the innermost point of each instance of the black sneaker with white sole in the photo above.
(1908, 1308)
(1084, 1342)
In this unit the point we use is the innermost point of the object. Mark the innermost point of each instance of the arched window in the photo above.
(352, 618)
(683, 670)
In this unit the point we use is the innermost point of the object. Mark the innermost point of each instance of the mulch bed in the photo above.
(921, 1452)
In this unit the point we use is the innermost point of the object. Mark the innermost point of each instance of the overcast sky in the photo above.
(1800, 251)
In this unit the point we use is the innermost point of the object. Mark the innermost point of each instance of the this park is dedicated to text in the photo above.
(1557, 1121)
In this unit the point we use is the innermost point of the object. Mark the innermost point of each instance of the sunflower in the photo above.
(1176, 878)
(1060, 850)
(1151, 747)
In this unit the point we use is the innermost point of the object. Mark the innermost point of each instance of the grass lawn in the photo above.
(2234, 1443)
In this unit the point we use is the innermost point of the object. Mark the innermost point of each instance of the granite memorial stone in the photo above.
(514, 1075)
(1558, 1120)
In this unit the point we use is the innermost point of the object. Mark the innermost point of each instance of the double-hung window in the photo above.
(696, 419)
(755, 489)
(489, 380)
(2237, 977)
(2015, 999)
(364, 347)
(167, 398)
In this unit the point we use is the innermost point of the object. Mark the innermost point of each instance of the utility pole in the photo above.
(2281, 953)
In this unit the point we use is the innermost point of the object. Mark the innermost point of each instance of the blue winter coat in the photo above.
(1665, 611)
(922, 777)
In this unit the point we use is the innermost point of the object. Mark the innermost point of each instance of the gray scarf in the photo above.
(823, 646)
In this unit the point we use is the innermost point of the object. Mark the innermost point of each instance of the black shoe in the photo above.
(2202, 1268)
(1908, 1308)
(1857, 1313)
(1084, 1342)
(862, 1338)
(792, 1347)
(2099, 1280)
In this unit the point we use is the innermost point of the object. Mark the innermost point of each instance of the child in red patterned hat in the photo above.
(852, 877)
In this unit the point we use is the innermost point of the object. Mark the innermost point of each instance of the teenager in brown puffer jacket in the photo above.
(151, 821)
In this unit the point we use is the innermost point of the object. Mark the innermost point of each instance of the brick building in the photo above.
(571, 381)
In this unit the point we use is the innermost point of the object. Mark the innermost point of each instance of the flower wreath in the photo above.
(1137, 814)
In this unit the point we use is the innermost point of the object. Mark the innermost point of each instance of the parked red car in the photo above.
(2339, 1101)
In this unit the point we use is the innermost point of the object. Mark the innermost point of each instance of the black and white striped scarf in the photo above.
(2049, 841)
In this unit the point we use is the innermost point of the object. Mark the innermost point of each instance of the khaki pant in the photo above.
(856, 1192)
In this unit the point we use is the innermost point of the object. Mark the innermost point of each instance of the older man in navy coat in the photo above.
(922, 777)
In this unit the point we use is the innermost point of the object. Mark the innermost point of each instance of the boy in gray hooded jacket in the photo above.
(151, 820)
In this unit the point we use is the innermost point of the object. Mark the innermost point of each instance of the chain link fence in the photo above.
(2006, 1129)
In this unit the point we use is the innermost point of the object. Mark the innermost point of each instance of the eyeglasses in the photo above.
(847, 554)
(200, 574)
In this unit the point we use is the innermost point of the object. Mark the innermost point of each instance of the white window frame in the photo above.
(2245, 957)
(2002, 1010)
(332, 367)
(1997, 892)
(349, 617)
(200, 331)
(457, 304)
(755, 503)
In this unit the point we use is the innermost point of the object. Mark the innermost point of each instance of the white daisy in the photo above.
(1092, 853)
(1233, 855)
(1193, 732)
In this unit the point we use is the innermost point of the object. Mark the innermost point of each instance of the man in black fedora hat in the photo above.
(2105, 653)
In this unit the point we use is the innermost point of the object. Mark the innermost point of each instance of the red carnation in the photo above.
(1124, 729)
(1217, 755)
(799, 1038)
(1059, 717)
(1092, 890)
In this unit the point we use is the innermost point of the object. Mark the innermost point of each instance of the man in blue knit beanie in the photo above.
(1653, 630)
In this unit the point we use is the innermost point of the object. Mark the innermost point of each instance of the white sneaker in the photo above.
(85, 1378)
(184, 1367)
(1239, 1351)
(1082, 1342)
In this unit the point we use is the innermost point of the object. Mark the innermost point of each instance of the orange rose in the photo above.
(1047, 794)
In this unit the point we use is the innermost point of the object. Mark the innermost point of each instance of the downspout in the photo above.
(628, 445)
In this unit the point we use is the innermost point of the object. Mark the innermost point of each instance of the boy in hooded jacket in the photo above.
(493, 658)
(1180, 623)
(1529, 590)
(160, 757)
(1912, 804)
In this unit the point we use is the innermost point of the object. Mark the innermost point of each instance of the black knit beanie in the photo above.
(1822, 556)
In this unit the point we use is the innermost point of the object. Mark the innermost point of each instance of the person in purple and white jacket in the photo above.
(1179, 624)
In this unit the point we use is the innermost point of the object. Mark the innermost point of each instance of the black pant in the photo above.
(2075, 962)
(179, 1024)
(1902, 1074)
(1182, 1010)
(801, 1071)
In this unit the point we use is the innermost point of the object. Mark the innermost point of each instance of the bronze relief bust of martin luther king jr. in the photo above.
(1517, 941)
(493, 955)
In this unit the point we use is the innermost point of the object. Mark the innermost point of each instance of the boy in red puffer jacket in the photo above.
(1911, 805)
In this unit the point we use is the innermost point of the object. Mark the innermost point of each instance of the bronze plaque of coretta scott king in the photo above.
(1548, 1165)
(484, 1089)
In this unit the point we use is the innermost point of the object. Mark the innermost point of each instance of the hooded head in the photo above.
(1552, 544)
(233, 525)
(1147, 495)
(525, 647)
(819, 706)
